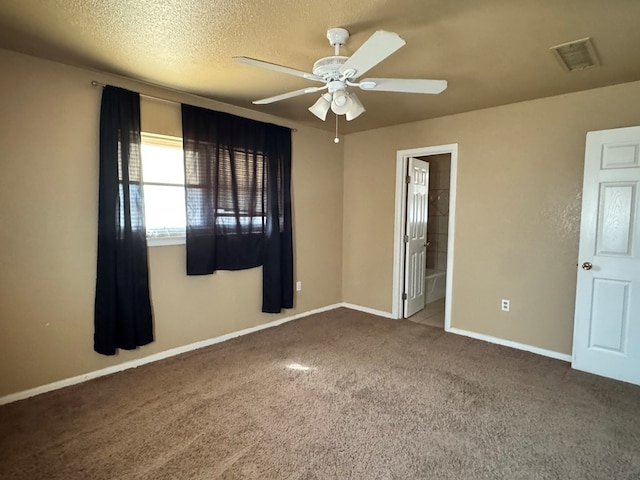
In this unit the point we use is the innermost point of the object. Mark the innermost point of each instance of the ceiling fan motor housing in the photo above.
(329, 67)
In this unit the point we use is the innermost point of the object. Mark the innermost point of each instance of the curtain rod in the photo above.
(102, 85)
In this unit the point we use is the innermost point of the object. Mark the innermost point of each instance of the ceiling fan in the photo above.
(339, 72)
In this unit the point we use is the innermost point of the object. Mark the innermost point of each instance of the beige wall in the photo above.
(517, 215)
(48, 212)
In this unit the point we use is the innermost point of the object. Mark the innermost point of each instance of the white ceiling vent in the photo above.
(576, 55)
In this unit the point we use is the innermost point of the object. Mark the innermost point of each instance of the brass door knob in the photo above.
(587, 266)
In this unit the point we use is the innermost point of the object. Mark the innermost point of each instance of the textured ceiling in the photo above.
(492, 52)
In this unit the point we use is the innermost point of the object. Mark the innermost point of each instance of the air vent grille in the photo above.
(576, 55)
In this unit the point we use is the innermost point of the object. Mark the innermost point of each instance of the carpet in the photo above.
(337, 395)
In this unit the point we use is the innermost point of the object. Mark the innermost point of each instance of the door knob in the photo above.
(427, 244)
(587, 266)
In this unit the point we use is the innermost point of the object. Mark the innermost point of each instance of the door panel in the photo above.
(607, 319)
(416, 235)
(616, 218)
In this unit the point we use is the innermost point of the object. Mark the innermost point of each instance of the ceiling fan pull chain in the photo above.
(337, 139)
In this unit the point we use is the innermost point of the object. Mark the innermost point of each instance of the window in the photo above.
(163, 179)
(244, 204)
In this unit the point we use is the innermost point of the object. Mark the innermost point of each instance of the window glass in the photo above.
(164, 207)
(163, 178)
(162, 163)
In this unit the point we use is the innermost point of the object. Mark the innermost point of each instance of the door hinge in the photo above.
(407, 179)
(406, 239)
(404, 296)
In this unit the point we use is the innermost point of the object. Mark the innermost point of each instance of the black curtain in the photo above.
(238, 199)
(123, 317)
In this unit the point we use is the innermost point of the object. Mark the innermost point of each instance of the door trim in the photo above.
(402, 157)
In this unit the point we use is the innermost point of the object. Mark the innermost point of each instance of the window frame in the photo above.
(155, 239)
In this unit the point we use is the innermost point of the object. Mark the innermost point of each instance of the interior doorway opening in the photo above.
(437, 240)
(438, 271)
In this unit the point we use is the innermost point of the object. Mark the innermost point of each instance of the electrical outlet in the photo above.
(505, 305)
(298, 286)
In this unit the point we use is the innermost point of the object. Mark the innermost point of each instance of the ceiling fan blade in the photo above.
(284, 96)
(404, 85)
(378, 47)
(278, 68)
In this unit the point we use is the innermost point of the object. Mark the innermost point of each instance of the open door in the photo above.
(416, 235)
(607, 318)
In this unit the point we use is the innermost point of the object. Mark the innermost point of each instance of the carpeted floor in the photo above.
(338, 395)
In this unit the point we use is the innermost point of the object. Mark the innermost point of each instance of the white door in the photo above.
(416, 236)
(606, 338)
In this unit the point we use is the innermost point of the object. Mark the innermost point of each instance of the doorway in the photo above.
(437, 241)
(439, 257)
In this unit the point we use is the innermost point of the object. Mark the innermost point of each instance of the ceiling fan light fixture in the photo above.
(356, 108)
(321, 107)
(341, 103)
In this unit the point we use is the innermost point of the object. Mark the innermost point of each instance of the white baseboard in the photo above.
(509, 343)
(372, 311)
(14, 397)
(67, 382)
(477, 336)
